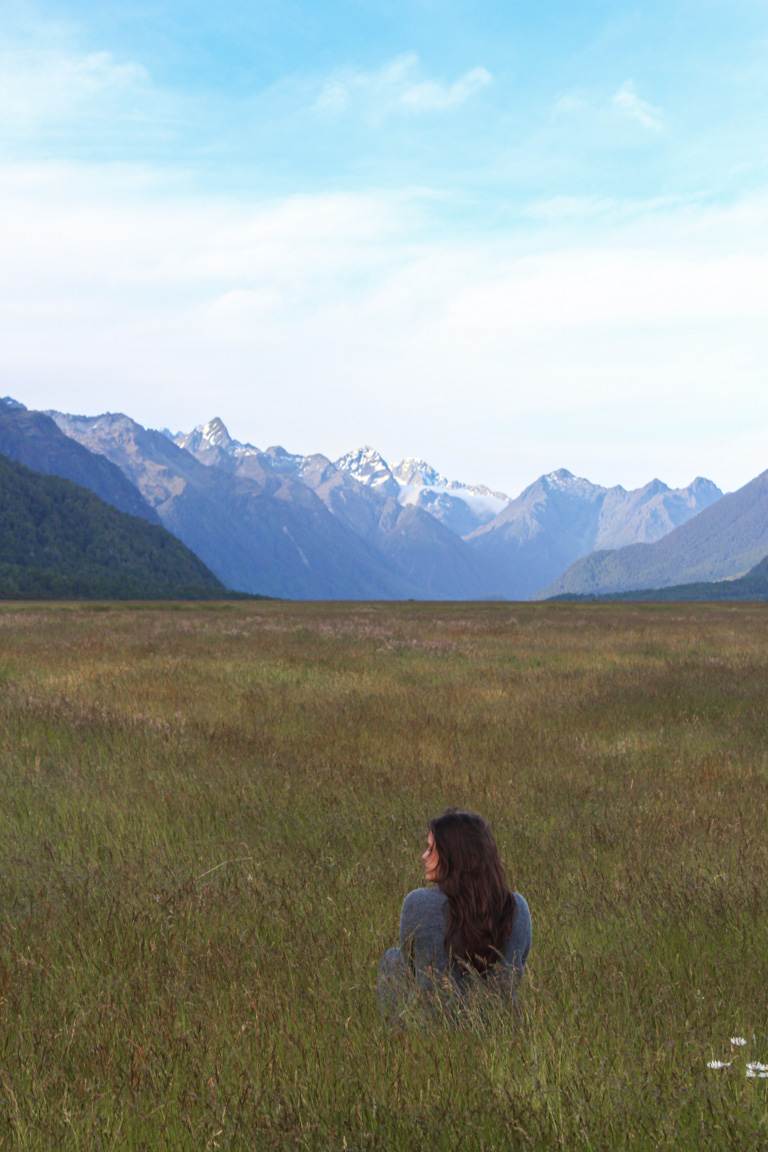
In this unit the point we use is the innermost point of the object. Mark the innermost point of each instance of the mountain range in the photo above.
(724, 541)
(274, 522)
(561, 517)
(511, 548)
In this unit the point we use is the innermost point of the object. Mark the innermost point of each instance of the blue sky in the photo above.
(508, 237)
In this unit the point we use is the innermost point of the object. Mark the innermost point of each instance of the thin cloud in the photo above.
(399, 84)
(431, 96)
(41, 87)
(627, 100)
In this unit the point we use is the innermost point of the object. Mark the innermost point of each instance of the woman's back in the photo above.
(422, 937)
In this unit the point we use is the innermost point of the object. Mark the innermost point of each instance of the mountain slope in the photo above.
(59, 540)
(33, 439)
(561, 517)
(725, 540)
(259, 531)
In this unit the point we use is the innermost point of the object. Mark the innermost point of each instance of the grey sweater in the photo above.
(422, 932)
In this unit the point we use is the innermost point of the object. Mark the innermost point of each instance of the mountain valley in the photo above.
(272, 522)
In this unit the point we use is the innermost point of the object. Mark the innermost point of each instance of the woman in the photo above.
(469, 926)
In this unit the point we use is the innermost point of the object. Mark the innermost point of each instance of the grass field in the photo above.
(211, 814)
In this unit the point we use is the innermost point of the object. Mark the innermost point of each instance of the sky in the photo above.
(505, 237)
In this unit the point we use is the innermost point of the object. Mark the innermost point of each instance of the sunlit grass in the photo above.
(212, 814)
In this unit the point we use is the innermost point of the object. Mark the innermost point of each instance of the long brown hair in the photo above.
(481, 906)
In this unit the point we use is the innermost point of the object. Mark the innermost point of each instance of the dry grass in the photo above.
(212, 814)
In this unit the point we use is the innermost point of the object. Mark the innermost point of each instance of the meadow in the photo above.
(211, 815)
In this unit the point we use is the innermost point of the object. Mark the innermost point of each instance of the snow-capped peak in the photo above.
(368, 467)
(462, 507)
(215, 433)
(12, 405)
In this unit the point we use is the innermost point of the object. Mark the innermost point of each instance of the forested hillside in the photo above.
(58, 540)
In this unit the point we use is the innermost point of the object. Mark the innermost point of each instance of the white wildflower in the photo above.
(756, 1066)
(753, 1075)
(738, 1041)
(719, 1063)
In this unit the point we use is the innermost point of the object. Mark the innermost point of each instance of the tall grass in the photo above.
(212, 814)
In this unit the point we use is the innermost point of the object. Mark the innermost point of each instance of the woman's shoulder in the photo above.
(423, 908)
(422, 918)
(425, 898)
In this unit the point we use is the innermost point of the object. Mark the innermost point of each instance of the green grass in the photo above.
(211, 815)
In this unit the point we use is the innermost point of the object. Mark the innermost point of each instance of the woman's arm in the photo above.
(422, 930)
(519, 943)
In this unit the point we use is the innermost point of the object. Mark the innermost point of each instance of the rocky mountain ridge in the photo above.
(422, 556)
(257, 530)
(280, 523)
(724, 541)
(518, 546)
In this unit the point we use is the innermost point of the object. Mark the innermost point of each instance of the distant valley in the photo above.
(272, 522)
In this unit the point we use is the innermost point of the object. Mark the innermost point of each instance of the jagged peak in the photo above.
(563, 479)
(364, 453)
(412, 470)
(366, 456)
(368, 467)
(11, 404)
(215, 432)
(702, 482)
(654, 486)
